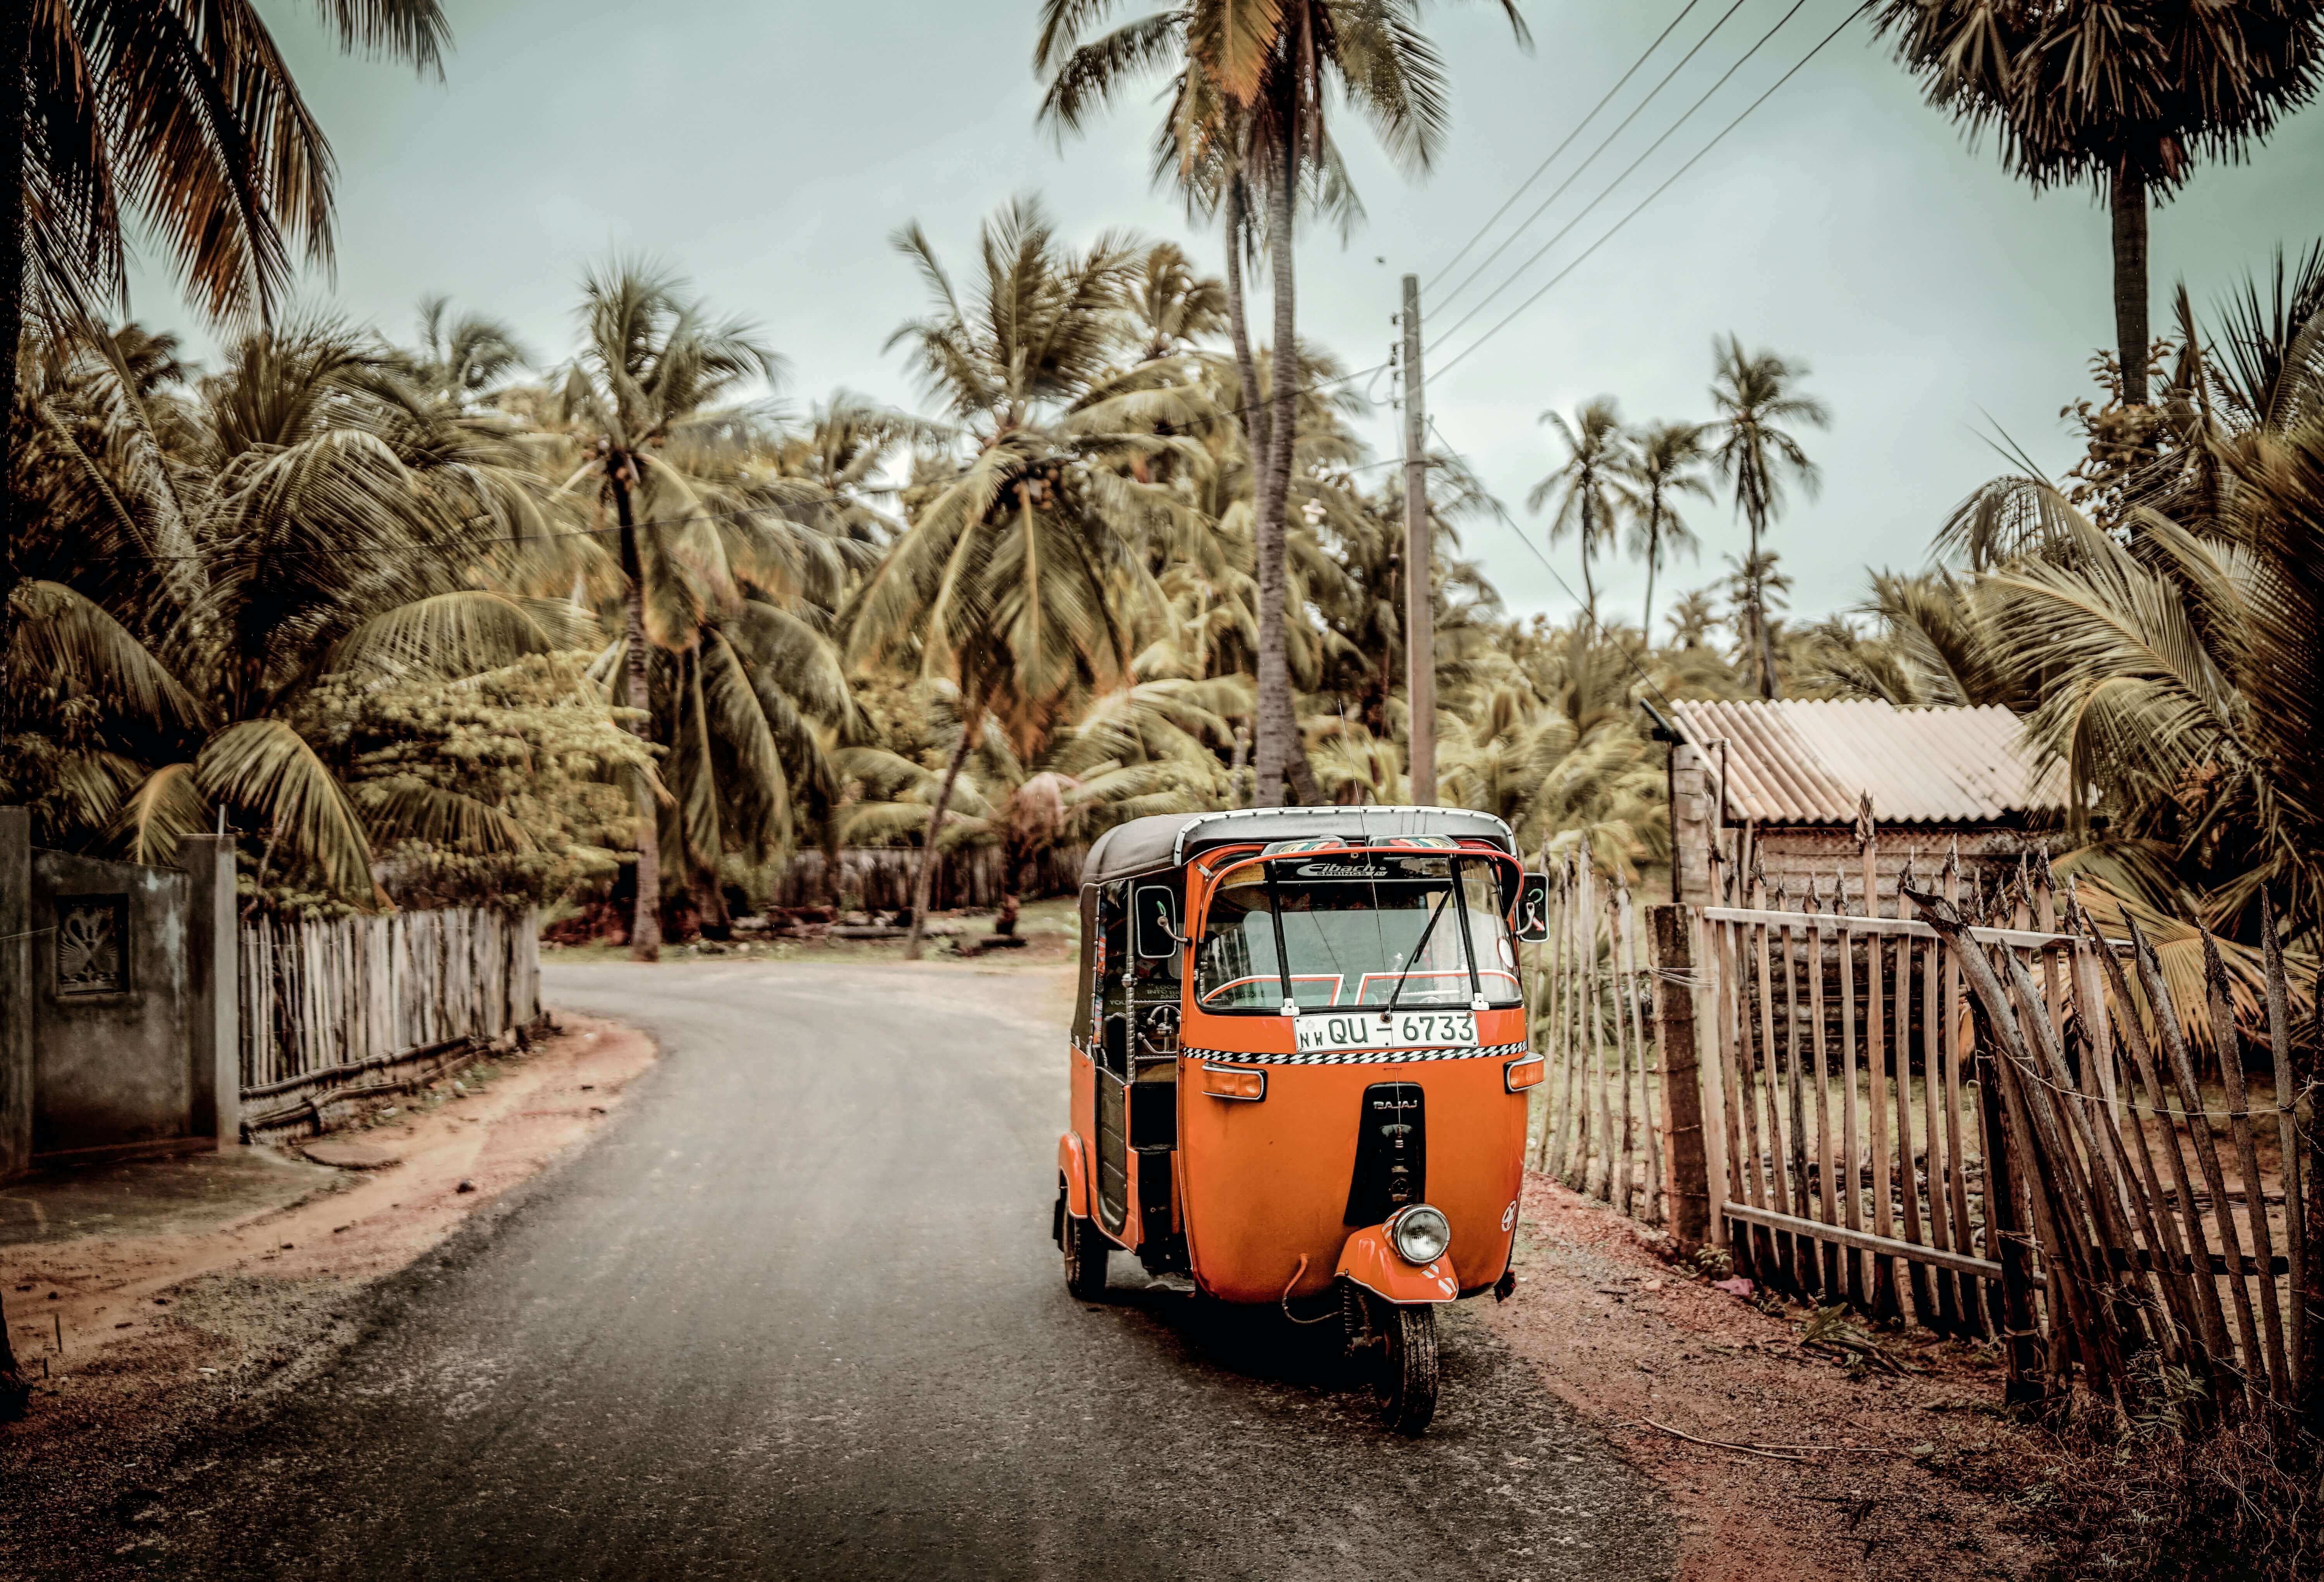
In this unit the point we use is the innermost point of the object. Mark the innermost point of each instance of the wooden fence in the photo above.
(1987, 1119)
(879, 878)
(324, 1001)
(1601, 1127)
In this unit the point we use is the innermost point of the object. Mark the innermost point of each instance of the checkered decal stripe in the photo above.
(1358, 1056)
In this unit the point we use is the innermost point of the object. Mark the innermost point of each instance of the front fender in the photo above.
(1073, 1164)
(1369, 1262)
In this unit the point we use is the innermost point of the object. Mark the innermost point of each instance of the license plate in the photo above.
(1400, 1030)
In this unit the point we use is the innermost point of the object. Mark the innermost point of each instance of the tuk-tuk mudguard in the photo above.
(1369, 1262)
(1073, 1164)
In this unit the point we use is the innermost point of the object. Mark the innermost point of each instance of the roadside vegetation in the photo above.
(426, 615)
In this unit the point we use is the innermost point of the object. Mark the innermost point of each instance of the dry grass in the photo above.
(2150, 1504)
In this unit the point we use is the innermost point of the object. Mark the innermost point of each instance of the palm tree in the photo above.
(1142, 748)
(1020, 576)
(1665, 461)
(463, 361)
(1692, 617)
(1250, 120)
(1174, 305)
(1754, 587)
(2125, 94)
(1597, 456)
(1756, 393)
(186, 117)
(731, 553)
(208, 559)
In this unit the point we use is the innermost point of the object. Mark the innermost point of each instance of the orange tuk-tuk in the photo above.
(1300, 1066)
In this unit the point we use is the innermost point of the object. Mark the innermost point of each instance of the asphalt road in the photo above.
(797, 1315)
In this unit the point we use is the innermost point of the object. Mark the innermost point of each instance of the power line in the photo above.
(1597, 629)
(1668, 183)
(1603, 144)
(1608, 192)
(463, 544)
(1566, 142)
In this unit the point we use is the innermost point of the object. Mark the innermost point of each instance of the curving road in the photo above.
(798, 1314)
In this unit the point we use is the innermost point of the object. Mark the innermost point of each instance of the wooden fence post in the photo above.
(2312, 1237)
(1688, 1195)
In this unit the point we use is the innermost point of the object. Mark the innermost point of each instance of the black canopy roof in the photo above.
(1166, 839)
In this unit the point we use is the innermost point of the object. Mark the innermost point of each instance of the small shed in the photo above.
(1789, 780)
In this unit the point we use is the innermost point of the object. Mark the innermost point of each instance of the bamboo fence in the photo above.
(324, 1001)
(1599, 1128)
(1988, 1119)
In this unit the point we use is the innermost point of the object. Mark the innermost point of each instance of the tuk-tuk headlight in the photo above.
(1420, 1234)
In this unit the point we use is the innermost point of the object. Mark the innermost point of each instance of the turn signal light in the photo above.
(1525, 1073)
(1233, 1082)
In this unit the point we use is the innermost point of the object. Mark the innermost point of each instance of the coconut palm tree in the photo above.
(1756, 396)
(463, 360)
(1174, 305)
(1021, 576)
(1665, 461)
(1692, 617)
(209, 556)
(1585, 485)
(1144, 747)
(186, 119)
(2125, 94)
(651, 366)
(1250, 120)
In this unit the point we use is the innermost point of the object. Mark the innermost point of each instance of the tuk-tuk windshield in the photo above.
(1356, 930)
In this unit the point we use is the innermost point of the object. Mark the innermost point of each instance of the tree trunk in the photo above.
(1763, 653)
(2128, 201)
(15, 44)
(1278, 753)
(1254, 411)
(1646, 620)
(645, 926)
(924, 882)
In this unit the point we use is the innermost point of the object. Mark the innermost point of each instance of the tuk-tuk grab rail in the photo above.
(1359, 815)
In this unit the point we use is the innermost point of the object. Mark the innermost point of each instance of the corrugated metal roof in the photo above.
(1799, 762)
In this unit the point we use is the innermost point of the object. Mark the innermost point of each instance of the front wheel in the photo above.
(1087, 1252)
(1405, 1388)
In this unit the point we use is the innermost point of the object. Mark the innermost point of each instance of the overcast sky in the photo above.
(768, 149)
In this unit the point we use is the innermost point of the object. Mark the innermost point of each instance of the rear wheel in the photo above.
(1087, 1252)
(1405, 1384)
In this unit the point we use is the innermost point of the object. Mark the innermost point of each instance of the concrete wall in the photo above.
(117, 1006)
(110, 1067)
(1704, 854)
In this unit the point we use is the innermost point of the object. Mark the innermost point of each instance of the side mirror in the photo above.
(1533, 908)
(1154, 922)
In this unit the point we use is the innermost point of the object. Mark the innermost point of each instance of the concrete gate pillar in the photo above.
(213, 998)
(16, 991)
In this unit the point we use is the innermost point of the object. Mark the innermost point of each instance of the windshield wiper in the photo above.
(1418, 945)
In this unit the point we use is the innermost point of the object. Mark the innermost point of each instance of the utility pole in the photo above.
(1419, 614)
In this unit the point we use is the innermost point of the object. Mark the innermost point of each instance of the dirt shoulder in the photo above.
(146, 1337)
(1856, 1466)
